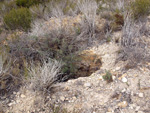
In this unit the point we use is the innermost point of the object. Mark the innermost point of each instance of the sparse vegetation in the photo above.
(45, 42)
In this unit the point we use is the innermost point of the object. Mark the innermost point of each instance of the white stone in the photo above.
(14, 93)
(18, 93)
(132, 93)
(123, 104)
(117, 68)
(137, 108)
(10, 104)
(141, 95)
(62, 98)
(53, 97)
(17, 101)
(74, 98)
(132, 106)
(113, 77)
(100, 78)
(106, 55)
(22, 96)
(124, 79)
(124, 90)
(87, 84)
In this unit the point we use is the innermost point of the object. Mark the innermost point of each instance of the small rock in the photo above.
(53, 97)
(137, 108)
(123, 104)
(67, 99)
(124, 90)
(141, 95)
(124, 80)
(10, 104)
(117, 68)
(22, 96)
(132, 106)
(87, 84)
(17, 101)
(14, 93)
(110, 110)
(113, 77)
(132, 93)
(62, 98)
(100, 78)
(74, 98)
(47, 97)
(106, 55)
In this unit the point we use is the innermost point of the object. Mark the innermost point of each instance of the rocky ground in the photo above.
(128, 93)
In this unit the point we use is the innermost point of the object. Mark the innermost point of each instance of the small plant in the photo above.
(78, 30)
(108, 39)
(140, 8)
(18, 19)
(108, 77)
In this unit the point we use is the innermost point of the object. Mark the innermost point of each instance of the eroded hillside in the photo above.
(83, 56)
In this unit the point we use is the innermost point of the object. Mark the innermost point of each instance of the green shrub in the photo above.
(140, 8)
(28, 3)
(108, 77)
(18, 19)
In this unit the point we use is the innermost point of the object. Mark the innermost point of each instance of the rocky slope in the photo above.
(128, 93)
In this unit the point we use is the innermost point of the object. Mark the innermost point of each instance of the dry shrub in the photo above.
(88, 8)
(132, 42)
(42, 78)
(56, 8)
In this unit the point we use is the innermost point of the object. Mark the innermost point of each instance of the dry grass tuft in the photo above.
(132, 43)
(42, 78)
